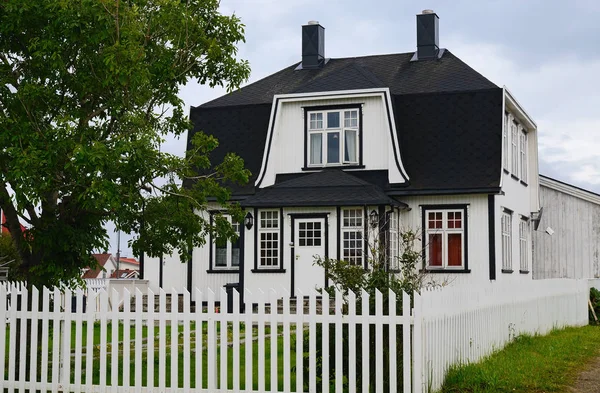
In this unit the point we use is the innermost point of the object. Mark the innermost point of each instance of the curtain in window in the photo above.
(435, 249)
(316, 149)
(454, 249)
(350, 146)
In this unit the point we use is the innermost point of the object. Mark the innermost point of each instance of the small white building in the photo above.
(567, 244)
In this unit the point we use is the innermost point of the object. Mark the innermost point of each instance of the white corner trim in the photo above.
(570, 190)
(383, 93)
(512, 101)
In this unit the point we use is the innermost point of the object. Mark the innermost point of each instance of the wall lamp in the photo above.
(249, 220)
(374, 218)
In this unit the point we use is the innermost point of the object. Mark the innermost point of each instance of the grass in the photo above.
(530, 364)
(164, 362)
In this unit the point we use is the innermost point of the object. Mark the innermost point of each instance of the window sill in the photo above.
(222, 271)
(523, 183)
(524, 271)
(507, 271)
(445, 271)
(268, 270)
(514, 177)
(325, 167)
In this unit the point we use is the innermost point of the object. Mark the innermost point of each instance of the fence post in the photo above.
(417, 344)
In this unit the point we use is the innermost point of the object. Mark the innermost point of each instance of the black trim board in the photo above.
(492, 235)
(464, 207)
(160, 271)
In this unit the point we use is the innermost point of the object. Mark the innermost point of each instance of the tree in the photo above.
(88, 92)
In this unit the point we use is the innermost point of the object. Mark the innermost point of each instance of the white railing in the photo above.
(463, 325)
(96, 284)
(276, 345)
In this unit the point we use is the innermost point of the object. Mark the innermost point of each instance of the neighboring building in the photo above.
(125, 273)
(107, 265)
(128, 264)
(570, 248)
(348, 152)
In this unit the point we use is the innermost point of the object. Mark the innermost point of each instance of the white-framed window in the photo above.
(514, 152)
(333, 137)
(505, 141)
(393, 240)
(445, 233)
(523, 154)
(227, 251)
(506, 224)
(352, 236)
(268, 239)
(523, 240)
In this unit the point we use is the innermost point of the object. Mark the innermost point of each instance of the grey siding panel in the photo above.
(573, 251)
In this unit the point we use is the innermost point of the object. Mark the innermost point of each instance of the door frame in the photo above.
(294, 217)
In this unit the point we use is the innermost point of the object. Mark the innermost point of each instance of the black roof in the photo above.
(448, 119)
(324, 188)
(395, 71)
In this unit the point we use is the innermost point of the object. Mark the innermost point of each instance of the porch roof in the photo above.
(324, 188)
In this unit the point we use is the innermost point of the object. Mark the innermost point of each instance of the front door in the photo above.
(309, 242)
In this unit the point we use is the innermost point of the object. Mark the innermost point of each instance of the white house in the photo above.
(352, 150)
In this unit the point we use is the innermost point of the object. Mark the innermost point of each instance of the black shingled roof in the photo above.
(395, 71)
(324, 188)
(448, 119)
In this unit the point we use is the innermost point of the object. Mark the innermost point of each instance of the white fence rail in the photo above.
(315, 345)
(463, 325)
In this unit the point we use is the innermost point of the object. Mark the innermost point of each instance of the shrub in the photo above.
(595, 300)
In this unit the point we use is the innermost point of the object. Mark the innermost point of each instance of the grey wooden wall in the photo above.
(573, 251)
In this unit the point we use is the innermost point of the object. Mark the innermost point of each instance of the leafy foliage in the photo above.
(595, 300)
(88, 92)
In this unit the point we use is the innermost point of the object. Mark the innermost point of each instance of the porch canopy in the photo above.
(330, 187)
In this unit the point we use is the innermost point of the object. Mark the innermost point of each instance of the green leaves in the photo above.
(88, 92)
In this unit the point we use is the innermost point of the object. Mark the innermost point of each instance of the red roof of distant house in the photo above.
(129, 260)
(102, 259)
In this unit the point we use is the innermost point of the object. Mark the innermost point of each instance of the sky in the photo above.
(547, 53)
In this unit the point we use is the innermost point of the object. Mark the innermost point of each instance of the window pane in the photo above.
(454, 249)
(333, 120)
(333, 147)
(435, 249)
(350, 146)
(316, 121)
(235, 257)
(221, 257)
(316, 149)
(351, 119)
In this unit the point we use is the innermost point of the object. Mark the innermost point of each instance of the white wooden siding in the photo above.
(286, 154)
(477, 248)
(573, 251)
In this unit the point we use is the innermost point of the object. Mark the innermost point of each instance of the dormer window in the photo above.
(333, 137)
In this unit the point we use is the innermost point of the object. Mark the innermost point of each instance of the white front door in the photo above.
(309, 242)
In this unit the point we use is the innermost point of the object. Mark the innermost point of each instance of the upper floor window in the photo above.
(514, 127)
(505, 141)
(523, 154)
(333, 137)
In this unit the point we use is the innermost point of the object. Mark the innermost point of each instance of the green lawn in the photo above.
(531, 364)
(165, 361)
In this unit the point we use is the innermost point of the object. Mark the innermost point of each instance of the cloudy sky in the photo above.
(547, 52)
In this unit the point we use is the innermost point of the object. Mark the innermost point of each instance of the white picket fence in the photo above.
(262, 349)
(273, 345)
(463, 325)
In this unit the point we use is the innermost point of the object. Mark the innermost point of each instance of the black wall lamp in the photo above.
(249, 220)
(374, 218)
